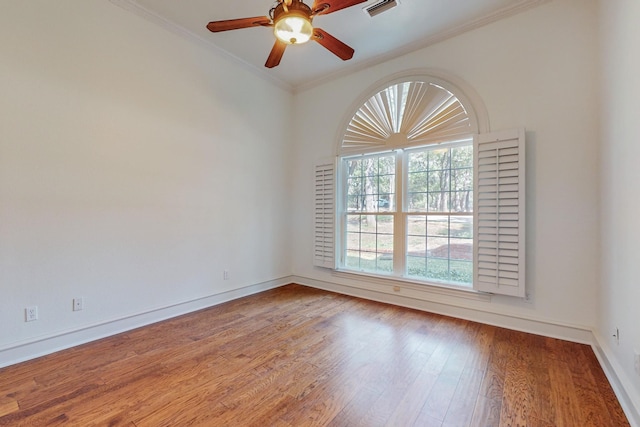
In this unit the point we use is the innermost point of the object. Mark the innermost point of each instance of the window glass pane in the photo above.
(416, 225)
(462, 179)
(440, 248)
(353, 167)
(387, 165)
(462, 157)
(439, 159)
(385, 243)
(461, 201)
(355, 186)
(461, 249)
(353, 223)
(438, 226)
(385, 264)
(417, 266)
(385, 202)
(354, 203)
(369, 243)
(418, 161)
(438, 269)
(461, 272)
(370, 167)
(386, 184)
(438, 180)
(461, 226)
(416, 246)
(417, 202)
(371, 184)
(417, 182)
(438, 202)
(353, 260)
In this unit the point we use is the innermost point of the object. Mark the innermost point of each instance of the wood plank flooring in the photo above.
(297, 356)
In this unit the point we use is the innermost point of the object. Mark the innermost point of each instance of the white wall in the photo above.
(619, 299)
(537, 70)
(135, 167)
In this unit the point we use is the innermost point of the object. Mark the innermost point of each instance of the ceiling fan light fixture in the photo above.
(293, 28)
(291, 21)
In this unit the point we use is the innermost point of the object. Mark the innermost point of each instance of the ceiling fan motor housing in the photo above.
(295, 8)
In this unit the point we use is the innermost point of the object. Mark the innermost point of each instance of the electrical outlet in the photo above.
(31, 313)
(78, 304)
(636, 359)
(225, 274)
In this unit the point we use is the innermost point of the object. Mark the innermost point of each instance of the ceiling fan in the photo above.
(291, 21)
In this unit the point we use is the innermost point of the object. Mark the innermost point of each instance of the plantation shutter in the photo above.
(499, 215)
(324, 216)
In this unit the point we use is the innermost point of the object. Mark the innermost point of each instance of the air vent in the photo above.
(381, 6)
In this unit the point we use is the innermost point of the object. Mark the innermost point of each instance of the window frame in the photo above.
(468, 142)
(400, 214)
(343, 212)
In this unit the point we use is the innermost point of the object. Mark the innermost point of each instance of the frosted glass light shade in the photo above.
(293, 29)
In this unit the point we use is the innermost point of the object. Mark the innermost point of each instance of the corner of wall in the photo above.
(629, 400)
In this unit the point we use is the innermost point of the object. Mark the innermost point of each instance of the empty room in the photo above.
(319, 213)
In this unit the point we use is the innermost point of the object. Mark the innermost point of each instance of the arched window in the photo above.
(405, 114)
(410, 202)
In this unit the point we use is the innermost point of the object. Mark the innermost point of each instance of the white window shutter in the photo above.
(499, 213)
(324, 212)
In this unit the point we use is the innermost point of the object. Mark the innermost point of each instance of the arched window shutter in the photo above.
(499, 215)
(406, 114)
(324, 214)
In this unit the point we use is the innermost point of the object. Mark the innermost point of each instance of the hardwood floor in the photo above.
(297, 356)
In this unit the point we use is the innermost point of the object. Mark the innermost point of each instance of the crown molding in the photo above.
(512, 9)
(136, 8)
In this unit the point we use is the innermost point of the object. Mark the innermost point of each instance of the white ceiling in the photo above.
(411, 25)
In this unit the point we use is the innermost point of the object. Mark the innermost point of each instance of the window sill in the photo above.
(396, 285)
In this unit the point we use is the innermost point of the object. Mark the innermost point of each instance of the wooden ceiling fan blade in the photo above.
(332, 44)
(276, 54)
(236, 24)
(323, 7)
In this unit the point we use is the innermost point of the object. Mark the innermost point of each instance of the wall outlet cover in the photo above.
(31, 313)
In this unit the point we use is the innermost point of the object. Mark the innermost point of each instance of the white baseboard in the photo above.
(30, 349)
(628, 398)
(455, 304)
